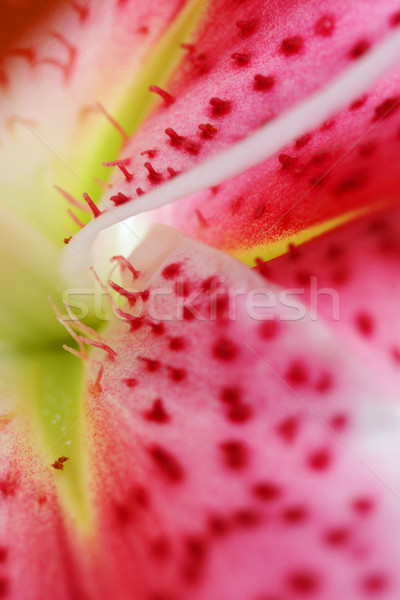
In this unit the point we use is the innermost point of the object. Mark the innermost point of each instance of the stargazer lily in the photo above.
(200, 392)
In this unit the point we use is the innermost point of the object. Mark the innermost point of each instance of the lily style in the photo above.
(199, 300)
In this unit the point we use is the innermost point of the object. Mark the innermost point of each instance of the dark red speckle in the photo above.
(365, 324)
(225, 349)
(297, 373)
(3, 554)
(247, 518)
(119, 198)
(240, 413)
(294, 514)
(395, 19)
(176, 140)
(130, 382)
(386, 108)
(266, 491)
(207, 130)
(292, 45)
(160, 547)
(289, 429)
(246, 28)
(268, 329)
(176, 374)
(319, 460)
(157, 412)
(325, 26)
(153, 175)
(177, 343)
(286, 161)
(231, 395)
(171, 271)
(303, 582)
(235, 454)
(359, 49)
(4, 587)
(151, 365)
(374, 584)
(337, 536)
(358, 103)
(303, 140)
(363, 506)
(218, 525)
(263, 83)
(324, 383)
(242, 59)
(219, 107)
(167, 463)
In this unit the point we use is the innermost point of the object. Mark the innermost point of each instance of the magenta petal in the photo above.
(237, 458)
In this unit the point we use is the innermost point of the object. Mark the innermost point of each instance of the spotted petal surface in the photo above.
(244, 70)
(236, 450)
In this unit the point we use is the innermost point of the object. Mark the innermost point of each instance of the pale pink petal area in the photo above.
(236, 456)
(241, 72)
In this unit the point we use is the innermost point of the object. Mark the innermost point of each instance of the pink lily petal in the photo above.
(219, 97)
(236, 458)
(356, 269)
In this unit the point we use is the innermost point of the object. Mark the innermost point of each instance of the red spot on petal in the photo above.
(171, 271)
(292, 45)
(386, 108)
(325, 26)
(268, 329)
(374, 584)
(303, 582)
(246, 28)
(207, 130)
(219, 107)
(218, 525)
(225, 349)
(337, 536)
(242, 59)
(395, 19)
(263, 83)
(320, 460)
(153, 176)
(297, 373)
(177, 343)
(167, 463)
(176, 140)
(294, 514)
(363, 506)
(157, 413)
(235, 454)
(359, 49)
(289, 429)
(119, 198)
(365, 324)
(303, 140)
(266, 491)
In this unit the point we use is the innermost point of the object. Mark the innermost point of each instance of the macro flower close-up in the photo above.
(199, 300)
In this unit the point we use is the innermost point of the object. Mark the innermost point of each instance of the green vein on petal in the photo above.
(51, 384)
